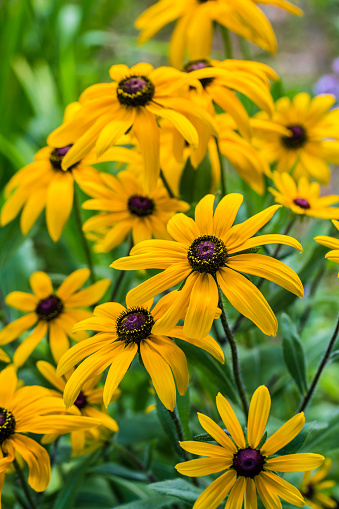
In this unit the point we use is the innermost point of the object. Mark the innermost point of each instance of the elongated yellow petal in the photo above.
(236, 497)
(268, 497)
(231, 421)
(89, 296)
(284, 435)
(327, 241)
(283, 489)
(72, 283)
(119, 366)
(216, 492)
(183, 229)
(37, 460)
(61, 423)
(202, 307)
(217, 433)
(207, 343)
(204, 214)
(250, 494)
(225, 213)
(105, 419)
(22, 301)
(25, 349)
(209, 450)
(300, 462)
(49, 372)
(203, 466)
(110, 310)
(41, 284)
(8, 383)
(258, 414)
(261, 240)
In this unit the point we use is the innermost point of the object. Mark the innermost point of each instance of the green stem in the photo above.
(121, 275)
(82, 236)
(227, 42)
(166, 184)
(235, 358)
(135, 460)
(222, 171)
(320, 369)
(245, 49)
(24, 484)
(317, 279)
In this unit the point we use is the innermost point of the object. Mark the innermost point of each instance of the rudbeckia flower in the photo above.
(206, 253)
(193, 33)
(302, 136)
(315, 489)
(52, 313)
(250, 462)
(44, 184)
(303, 197)
(124, 332)
(31, 410)
(125, 207)
(331, 242)
(135, 99)
(85, 404)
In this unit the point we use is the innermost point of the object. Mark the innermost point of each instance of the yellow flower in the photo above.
(45, 184)
(332, 243)
(135, 99)
(249, 467)
(125, 207)
(31, 410)
(312, 487)
(55, 313)
(302, 135)
(3, 356)
(85, 404)
(303, 198)
(193, 33)
(206, 253)
(124, 332)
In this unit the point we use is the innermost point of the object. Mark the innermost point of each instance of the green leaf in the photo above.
(195, 183)
(75, 477)
(112, 469)
(178, 488)
(168, 425)
(183, 406)
(295, 445)
(323, 437)
(294, 354)
(148, 503)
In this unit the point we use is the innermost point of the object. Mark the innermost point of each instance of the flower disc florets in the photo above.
(141, 205)
(195, 65)
(297, 139)
(248, 462)
(134, 325)
(135, 91)
(81, 401)
(302, 203)
(49, 308)
(57, 156)
(207, 254)
(7, 424)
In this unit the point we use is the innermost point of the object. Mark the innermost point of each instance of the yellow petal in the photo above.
(22, 301)
(217, 433)
(41, 284)
(49, 372)
(258, 414)
(8, 383)
(225, 213)
(37, 460)
(59, 203)
(283, 489)
(251, 501)
(236, 497)
(202, 307)
(116, 372)
(216, 492)
(89, 296)
(231, 421)
(72, 283)
(207, 343)
(261, 240)
(14, 329)
(204, 214)
(183, 229)
(300, 462)
(203, 466)
(29, 344)
(203, 449)
(268, 497)
(284, 435)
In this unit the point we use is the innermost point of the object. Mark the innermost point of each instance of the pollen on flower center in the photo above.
(49, 308)
(7, 424)
(302, 203)
(141, 205)
(297, 139)
(135, 91)
(195, 65)
(134, 325)
(81, 400)
(57, 156)
(248, 462)
(207, 254)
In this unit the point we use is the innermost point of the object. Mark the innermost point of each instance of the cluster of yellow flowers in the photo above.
(156, 121)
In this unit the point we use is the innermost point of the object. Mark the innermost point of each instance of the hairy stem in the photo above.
(24, 484)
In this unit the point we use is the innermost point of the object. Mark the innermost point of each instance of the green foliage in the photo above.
(294, 354)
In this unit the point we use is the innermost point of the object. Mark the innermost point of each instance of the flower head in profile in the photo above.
(125, 207)
(124, 333)
(87, 402)
(331, 242)
(303, 197)
(135, 99)
(208, 253)
(250, 462)
(45, 184)
(302, 136)
(31, 410)
(315, 488)
(193, 32)
(50, 312)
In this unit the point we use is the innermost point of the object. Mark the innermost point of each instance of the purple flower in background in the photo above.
(329, 83)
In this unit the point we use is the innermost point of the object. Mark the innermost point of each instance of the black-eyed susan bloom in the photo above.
(135, 99)
(250, 465)
(315, 488)
(302, 135)
(124, 333)
(31, 410)
(50, 312)
(208, 252)
(303, 197)
(331, 242)
(125, 207)
(87, 403)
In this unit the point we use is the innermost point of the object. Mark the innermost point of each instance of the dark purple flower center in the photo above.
(81, 400)
(49, 308)
(207, 254)
(140, 205)
(7, 424)
(248, 462)
(297, 139)
(134, 325)
(310, 492)
(135, 91)
(302, 203)
(57, 155)
(196, 65)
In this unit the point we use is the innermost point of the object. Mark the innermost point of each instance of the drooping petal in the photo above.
(59, 203)
(8, 383)
(272, 238)
(231, 421)
(120, 364)
(268, 497)
(283, 489)
(258, 414)
(106, 420)
(37, 460)
(207, 343)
